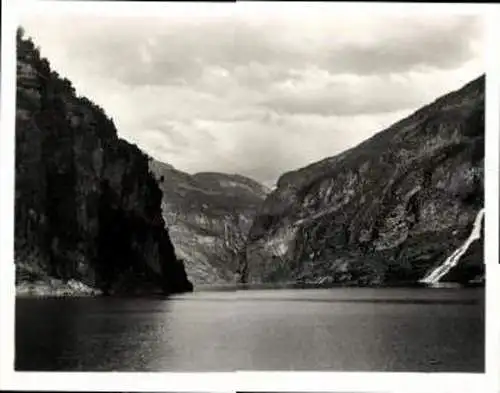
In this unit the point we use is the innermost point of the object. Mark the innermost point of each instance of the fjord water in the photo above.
(341, 329)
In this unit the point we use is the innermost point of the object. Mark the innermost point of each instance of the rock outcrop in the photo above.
(208, 216)
(87, 209)
(386, 211)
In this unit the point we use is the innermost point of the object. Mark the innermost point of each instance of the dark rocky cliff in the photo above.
(87, 209)
(209, 216)
(387, 210)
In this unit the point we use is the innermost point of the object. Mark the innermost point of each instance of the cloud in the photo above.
(418, 45)
(259, 95)
(349, 95)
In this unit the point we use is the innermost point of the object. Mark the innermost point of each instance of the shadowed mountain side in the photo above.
(385, 211)
(87, 209)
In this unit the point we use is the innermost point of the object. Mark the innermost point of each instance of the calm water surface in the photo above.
(319, 329)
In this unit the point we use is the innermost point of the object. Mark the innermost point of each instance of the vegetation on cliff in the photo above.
(87, 207)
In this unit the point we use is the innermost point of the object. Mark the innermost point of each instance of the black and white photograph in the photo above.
(294, 189)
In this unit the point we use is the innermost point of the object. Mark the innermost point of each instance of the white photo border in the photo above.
(249, 381)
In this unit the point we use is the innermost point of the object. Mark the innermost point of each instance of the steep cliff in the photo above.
(87, 209)
(209, 216)
(385, 211)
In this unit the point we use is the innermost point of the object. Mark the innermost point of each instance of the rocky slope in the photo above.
(385, 211)
(87, 209)
(209, 216)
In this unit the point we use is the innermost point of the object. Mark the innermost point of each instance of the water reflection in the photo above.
(330, 330)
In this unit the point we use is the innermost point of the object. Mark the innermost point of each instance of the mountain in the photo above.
(209, 216)
(386, 211)
(87, 209)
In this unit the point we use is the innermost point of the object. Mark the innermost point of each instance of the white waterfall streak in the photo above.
(439, 272)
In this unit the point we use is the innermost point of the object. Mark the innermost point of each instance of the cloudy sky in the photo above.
(258, 94)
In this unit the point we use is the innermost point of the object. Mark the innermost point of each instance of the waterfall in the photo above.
(439, 272)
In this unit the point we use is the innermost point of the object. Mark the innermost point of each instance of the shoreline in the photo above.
(55, 289)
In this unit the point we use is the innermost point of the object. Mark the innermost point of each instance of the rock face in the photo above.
(209, 216)
(87, 209)
(385, 211)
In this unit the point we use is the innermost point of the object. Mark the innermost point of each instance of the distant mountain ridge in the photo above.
(208, 215)
(385, 211)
